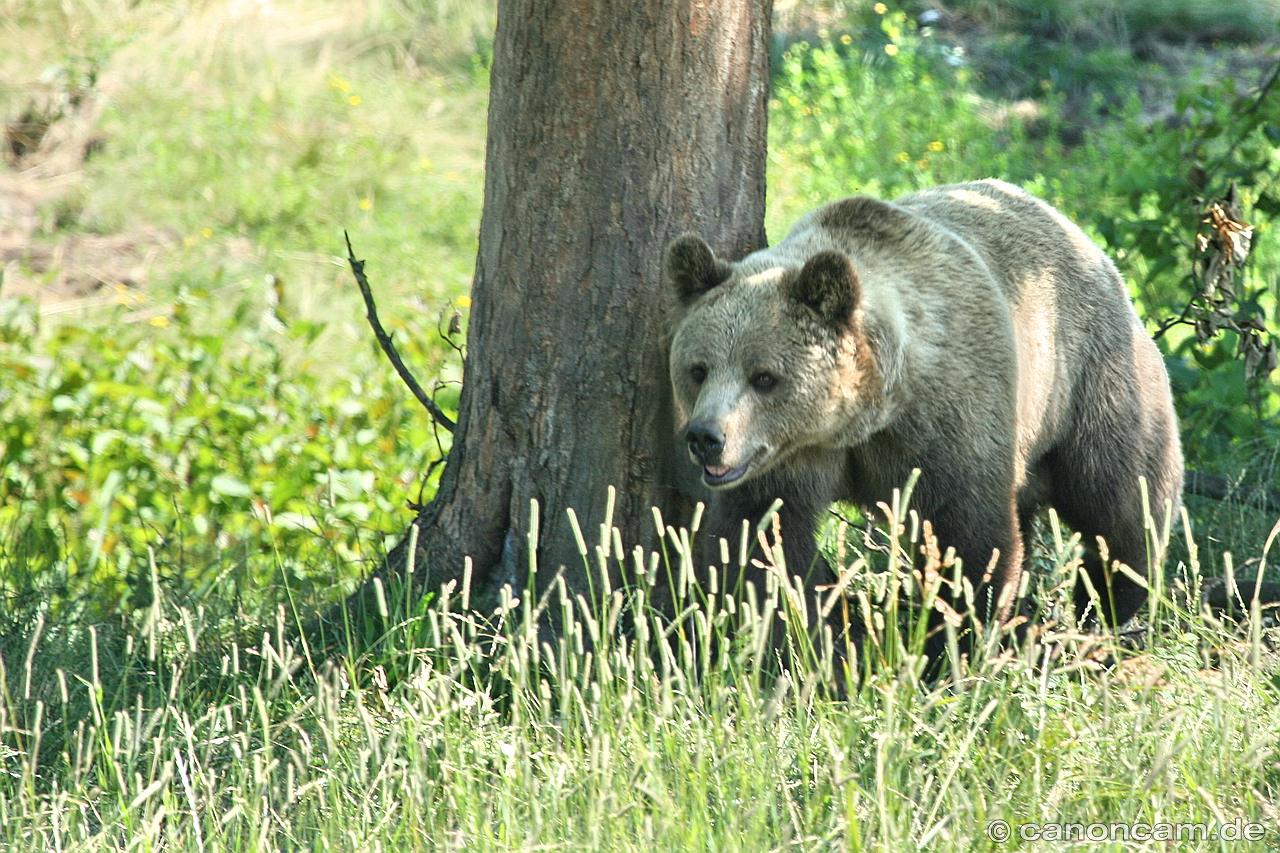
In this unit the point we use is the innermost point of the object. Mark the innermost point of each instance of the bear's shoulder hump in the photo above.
(870, 218)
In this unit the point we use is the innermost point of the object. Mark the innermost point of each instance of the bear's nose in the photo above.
(706, 441)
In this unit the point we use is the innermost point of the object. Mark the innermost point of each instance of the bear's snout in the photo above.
(706, 445)
(706, 441)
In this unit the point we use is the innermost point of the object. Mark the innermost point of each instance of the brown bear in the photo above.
(970, 331)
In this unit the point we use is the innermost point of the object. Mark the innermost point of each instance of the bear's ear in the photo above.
(828, 284)
(693, 268)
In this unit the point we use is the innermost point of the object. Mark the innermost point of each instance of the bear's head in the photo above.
(765, 362)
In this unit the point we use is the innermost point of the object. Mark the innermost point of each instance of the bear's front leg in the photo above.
(980, 522)
(797, 522)
(799, 516)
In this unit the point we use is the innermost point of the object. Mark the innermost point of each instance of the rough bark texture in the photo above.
(613, 127)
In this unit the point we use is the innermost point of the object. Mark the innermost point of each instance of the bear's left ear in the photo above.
(693, 268)
(828, 284)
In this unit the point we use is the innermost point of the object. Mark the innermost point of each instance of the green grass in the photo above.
(622, 741)
(191, 465)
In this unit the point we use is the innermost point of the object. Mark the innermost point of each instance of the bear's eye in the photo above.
(698, 374)
(764, 381)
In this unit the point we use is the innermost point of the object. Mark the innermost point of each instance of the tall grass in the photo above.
(633, 731)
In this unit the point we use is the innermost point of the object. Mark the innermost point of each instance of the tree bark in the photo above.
(613, 127)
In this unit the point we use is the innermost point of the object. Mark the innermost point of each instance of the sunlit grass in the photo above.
(243, 138)
(488, 737)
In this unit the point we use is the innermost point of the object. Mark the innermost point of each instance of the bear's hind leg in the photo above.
(1123, 428)
(1108, 505)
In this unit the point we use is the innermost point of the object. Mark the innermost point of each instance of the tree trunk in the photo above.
(613, 127)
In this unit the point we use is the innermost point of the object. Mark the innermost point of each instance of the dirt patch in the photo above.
(75, 267)
(42, 179)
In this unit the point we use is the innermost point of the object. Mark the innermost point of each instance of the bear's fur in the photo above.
(970, 331)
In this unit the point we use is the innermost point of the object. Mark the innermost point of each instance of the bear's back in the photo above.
(977, 278)
(1028, 245)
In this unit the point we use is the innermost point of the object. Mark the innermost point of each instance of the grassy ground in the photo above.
(199, 443)
(637, 744)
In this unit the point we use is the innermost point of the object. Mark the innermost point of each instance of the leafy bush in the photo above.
(894, 109)
(223, 459)
(1223, 146)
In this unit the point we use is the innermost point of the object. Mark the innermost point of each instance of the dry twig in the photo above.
(384, 339)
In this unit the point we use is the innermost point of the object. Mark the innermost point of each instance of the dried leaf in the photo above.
(1224, 245)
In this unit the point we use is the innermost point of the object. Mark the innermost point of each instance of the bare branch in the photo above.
(384, 339)
(1220, 488)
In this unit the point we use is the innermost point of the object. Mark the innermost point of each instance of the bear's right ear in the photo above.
(693, 268)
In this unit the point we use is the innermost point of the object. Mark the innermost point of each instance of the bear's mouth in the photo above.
(716, 475)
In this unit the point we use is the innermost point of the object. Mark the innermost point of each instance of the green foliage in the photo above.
(234, 439)
(1094, 22)
(302, 166)
(1217, 331)
(830, 102)
(228, 462)
(900, 111)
